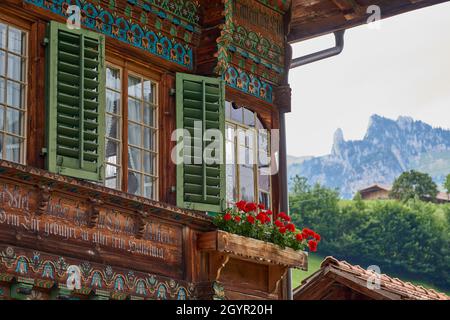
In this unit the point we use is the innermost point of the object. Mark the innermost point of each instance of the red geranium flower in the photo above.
(279, 224)
(261, 206)
(251, 219)
(306, 231)
(237, 218)
(261, 217)
(241, 205)
(312, 245)
(299, 237)
(250, 207)
(290, 227)
(227, 217)
(282, 230)
(268, 219)
(284, 216)
(317, 236)
(269, 212)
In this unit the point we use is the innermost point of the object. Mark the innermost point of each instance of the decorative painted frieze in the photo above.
(248, 83)
(169, 36)
(250, 48)
(37, 271)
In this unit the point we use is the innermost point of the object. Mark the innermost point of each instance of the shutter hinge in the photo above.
(173, 189)
(172, 91)
(43, 151)
(45, 42)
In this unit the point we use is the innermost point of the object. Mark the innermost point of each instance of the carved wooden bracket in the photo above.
(94, 212)
(276, 275)
(222, 263)
(44, 199)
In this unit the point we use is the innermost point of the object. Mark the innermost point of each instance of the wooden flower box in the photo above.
(247, 268)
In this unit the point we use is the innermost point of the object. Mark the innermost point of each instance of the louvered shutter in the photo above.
(200, 186)
(75, 102)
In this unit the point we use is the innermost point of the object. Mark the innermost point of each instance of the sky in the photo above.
(401, 69)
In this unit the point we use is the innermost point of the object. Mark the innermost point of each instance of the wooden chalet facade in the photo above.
(88, 189)
(89, 194)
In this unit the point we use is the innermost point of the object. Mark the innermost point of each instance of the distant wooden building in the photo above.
(443, 197)
(375, 192)
(380, 192)
(339, 280)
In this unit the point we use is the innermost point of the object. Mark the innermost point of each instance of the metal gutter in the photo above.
(324, 54)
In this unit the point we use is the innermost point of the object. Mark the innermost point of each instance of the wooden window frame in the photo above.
(119, 140)
(25, 59)
(129, 67)
(241, 126)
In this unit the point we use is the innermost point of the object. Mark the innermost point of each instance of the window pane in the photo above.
(236, 114)
(149, 91)
(228, 110)
(149, 139)
(112, 152)
(13, 146)
(2, 90)
(14, 121)
(149, 116)
(113, 79)
(134, 158)
(134, 87)
(2, 118)
(149, 187)
(247, 183)
(112, 127)
(149, 162)
(15, 66)
(230, 171)
(15, 40)
(134, 110)
(2, 63)
(112, 102)
(230, 133)
(134, 183)
(2, 36)
(249, 118)
(264, 199)
(14, 94)
(264, 182)
(134, 134)
(112, 177)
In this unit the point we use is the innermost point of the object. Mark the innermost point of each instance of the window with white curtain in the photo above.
(247, 146)
(13, 87)
(138, 166)
(142, 132)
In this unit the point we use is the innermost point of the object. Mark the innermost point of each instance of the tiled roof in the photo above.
(443, 196)
(388, 285)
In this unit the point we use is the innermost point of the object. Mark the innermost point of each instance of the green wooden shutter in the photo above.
(75, 102)
(200, 186)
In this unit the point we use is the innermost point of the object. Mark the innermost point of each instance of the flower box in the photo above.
(253, 250)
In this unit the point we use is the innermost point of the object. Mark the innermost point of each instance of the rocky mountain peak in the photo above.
(388, 148)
